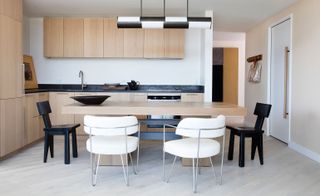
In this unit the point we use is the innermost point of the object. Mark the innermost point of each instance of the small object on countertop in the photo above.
(133, 85)
(91, 99)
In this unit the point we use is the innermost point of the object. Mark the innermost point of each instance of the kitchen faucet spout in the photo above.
(81, 75)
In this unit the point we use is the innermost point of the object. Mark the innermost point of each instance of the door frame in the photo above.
(289, 17)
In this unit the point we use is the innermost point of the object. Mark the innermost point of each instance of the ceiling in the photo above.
(229, 15)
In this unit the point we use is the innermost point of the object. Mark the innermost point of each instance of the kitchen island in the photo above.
(155, 108)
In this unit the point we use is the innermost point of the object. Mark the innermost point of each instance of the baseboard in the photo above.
(305, 151)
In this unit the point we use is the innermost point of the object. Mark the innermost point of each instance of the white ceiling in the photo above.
(229, 15)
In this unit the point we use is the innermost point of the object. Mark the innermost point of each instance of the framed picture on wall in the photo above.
(30, 77)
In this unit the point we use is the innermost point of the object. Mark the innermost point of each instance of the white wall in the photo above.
(305, 72)
(234, 40)
(99, 71)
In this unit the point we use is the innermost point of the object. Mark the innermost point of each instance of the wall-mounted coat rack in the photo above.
(255, 58)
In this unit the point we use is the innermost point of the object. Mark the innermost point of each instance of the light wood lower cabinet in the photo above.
(11, 125)
(192, 97)
(57, 100)
(33, 122)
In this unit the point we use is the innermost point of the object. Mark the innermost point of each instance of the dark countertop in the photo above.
(123, 88)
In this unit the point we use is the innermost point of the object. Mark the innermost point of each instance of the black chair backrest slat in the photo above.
(262, 111)
(44, 110)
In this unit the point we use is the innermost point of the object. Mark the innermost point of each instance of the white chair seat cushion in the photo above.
(111, 145)
(187, 147)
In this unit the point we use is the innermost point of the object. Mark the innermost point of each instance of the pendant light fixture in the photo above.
(165, 21)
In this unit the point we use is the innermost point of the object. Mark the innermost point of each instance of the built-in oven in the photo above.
(166, 97)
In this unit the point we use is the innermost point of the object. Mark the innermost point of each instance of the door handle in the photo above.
(286, 67)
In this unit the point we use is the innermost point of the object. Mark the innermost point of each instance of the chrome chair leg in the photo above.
(134, 168)
(94, 168)
(213, 170)
(169, 175)
(193, 176)
(125, 173)
(163, 166)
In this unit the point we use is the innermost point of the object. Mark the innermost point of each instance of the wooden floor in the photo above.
(285, 173)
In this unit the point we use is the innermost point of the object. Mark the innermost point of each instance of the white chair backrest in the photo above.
(208, 127)
(110, 126)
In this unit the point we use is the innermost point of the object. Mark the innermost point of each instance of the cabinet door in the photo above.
(113, 38)
(30, 118)
(73, 37)
(57, 100)
(174, 43)
(133, 43)
(153, 43)
(10, 57)
(93, 37)
(12, 9)
(192, 97)
(11, 125)
(53, 37)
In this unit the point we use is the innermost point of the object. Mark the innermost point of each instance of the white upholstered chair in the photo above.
(197, 143)
(112, 136)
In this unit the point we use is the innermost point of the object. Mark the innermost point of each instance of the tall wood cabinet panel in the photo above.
(73, 37)
(133, 43)
(174, 40)
(11, 125)
(53, 37)
(12, 9)
(113, 38)
(10, 58)
(93, 37)
(154, 43)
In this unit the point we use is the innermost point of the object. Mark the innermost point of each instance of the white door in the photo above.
(280, 56)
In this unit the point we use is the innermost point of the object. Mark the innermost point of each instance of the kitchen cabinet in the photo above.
(191, 97)
(93, 37)
(11, 83)
(33, 122)
(53, 37)
(133, 43)
(174, 40)
(12, 9)
(113, 38)
(57, 100)
(11, 125)
(73, 31)
(153, 43)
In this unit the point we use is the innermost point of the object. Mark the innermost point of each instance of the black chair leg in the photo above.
(253, 147)
(46, 147)
(231, 145)
(66, 148)
(51, 145)
(241, 151)
(74, 144)
(260, 148)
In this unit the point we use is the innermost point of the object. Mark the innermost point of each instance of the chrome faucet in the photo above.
(83, 85)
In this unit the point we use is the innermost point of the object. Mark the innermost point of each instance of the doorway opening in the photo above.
(225, 68)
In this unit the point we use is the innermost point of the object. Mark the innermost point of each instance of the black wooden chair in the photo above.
(256, 133)
(44, 110)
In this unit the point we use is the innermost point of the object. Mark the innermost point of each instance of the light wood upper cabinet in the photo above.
(113, 38)
(53, 37)
(12, 9)
(154, 43)
(100, 37)
(174, 40)
(93, 37)
(10, 58)
(133, 43)
(73, 37)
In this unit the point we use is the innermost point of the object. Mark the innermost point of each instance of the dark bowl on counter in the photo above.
(91, 99)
